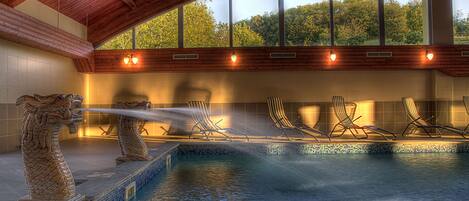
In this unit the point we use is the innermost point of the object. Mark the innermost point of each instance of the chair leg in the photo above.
(315, 138)
(285, 134)
(366, 134)
(428, 133)
(406, 128)
(332, 131)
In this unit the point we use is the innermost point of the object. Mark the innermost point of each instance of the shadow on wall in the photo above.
(123, 95)
(185, 92)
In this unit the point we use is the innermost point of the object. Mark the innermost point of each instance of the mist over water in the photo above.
(154, 114)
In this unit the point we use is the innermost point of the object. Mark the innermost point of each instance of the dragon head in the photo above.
(54, 109)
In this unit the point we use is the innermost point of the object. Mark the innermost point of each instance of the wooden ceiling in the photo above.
(106, 18)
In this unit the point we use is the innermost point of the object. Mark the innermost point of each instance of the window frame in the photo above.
(282, 39)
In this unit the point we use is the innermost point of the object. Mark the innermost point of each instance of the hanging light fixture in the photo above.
(429, 55)
(332, 56)
(234, 57)
(130, 58)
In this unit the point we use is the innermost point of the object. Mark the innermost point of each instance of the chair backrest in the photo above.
(277, 113)
(340, 110)
(412, 113)
(201, 115)
(466, 103)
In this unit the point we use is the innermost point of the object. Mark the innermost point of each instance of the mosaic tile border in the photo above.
(324, 148)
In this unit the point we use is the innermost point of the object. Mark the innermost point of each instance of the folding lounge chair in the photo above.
(466, 105)
(347, 121)
(420, 123)
(281, 121)
(203, 122)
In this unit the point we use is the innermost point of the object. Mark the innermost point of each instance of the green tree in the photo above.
(121, 41)
(414, 17)
(308, 25)
(395, 22)
(356, 22)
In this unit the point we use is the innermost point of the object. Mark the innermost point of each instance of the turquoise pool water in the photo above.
(319, 177)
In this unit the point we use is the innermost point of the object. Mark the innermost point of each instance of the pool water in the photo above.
(319, 177)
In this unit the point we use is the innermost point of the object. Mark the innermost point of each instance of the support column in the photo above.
(441, 22)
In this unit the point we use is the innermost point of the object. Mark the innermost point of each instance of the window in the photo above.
(356, 22)
(159, 32)
(121, 41)
(461, 21)
(307, 22)
(255, 23)
(403, 21)
(206, 24)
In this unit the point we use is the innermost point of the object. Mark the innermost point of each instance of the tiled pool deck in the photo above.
(92, 159)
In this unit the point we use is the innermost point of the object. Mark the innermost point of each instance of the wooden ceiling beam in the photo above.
(130, 3)
(23, 29)
(116, 19)
(12, 3)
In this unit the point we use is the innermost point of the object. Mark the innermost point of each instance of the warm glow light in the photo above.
(333, 56)
(429, 55)
(127, 60)
(134, 60)
(234, 58)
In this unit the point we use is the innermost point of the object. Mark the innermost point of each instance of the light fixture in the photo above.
(126, 59)
(332, 55)
(429, 55)
(134, 60)
(129, 58)
(234, 57)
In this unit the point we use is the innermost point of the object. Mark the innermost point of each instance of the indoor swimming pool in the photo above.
(436, 176)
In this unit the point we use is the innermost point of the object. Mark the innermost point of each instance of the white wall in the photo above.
(50, 16)
(25, 70)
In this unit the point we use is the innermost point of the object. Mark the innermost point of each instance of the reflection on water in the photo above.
(324, 177)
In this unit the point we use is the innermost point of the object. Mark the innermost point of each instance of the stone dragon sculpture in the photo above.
(133, 147)
(47, 173)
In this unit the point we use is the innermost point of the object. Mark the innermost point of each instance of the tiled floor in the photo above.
(83, 154)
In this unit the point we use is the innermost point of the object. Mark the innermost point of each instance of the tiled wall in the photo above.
(254, 117)
(23, 71)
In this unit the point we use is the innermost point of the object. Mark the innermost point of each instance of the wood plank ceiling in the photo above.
(106, 18)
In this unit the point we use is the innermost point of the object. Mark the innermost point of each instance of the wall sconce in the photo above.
(129, 58)
(332, 56)
(234, 57)
(429, 55)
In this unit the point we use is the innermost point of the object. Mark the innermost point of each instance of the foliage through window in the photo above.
(255, 23)
(356, 22)
(159, 32)
(307, 22)
(461, 21)
(206, 24)
(403, 22)
(120, 42)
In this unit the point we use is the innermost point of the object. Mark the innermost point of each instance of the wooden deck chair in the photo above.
(418, 122)
(281, 121)
(347, 121)
(466, 105)
(205, 125)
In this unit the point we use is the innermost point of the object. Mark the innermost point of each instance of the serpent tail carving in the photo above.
(133, 147)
